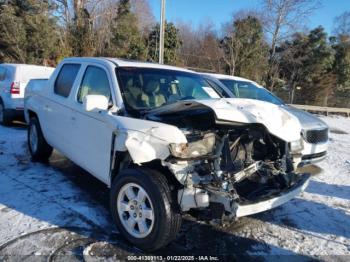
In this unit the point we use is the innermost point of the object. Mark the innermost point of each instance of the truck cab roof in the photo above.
(124, 63)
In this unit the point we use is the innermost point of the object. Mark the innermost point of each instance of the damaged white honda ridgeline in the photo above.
(165, 142)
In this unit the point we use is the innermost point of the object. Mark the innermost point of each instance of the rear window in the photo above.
(65, 79)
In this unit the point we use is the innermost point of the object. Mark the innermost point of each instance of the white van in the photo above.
(13, 80)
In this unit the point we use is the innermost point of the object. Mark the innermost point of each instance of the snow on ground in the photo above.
(318, 222)
(58, 209)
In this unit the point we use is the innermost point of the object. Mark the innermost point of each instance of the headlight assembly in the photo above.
(194, 149)
(296, 146)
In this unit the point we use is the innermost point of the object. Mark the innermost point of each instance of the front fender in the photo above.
(145, 140)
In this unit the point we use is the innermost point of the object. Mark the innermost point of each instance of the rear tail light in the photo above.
(15, 90)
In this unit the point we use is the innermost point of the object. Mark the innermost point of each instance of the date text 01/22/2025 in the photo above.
(172, 258)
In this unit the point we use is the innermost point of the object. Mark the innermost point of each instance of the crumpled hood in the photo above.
(308, 121)
(148, 139)
(277, 120)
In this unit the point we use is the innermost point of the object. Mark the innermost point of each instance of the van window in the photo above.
(95, 82)
(2, 73)
(65, 79)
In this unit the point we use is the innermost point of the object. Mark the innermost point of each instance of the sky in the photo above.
(220, 11)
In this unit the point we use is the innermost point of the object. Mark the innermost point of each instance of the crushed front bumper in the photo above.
(249, 208)
(313, 158)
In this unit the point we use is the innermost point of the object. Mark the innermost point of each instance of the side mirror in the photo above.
(95, 103)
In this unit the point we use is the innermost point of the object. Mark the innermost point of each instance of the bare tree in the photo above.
(67, 10)
(103, 15)
(145, 17)
(342, 24)
(281, 19)
(200, 48)
(209, 47)
(189, 41)
(232, 48)
(63, 11)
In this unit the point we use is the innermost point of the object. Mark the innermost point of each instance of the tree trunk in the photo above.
(292, 93)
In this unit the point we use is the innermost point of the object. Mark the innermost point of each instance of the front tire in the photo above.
(5, 119)
(143, 208)
(39, 149)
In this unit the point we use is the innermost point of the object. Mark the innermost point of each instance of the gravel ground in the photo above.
(58, 212)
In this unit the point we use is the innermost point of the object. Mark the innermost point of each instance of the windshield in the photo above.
(243, 89)
(147, 88)
(218, 86)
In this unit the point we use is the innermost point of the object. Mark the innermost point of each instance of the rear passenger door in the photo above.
(92, 136)
(57, 112)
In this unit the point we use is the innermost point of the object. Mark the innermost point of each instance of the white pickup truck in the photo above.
(165, 142)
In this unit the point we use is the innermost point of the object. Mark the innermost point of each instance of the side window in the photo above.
(2, 73)
(65, 79)
(95, 82)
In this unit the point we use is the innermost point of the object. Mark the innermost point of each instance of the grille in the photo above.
(316, 136)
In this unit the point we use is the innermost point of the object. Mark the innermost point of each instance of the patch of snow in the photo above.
(35, 197)
(318, 222)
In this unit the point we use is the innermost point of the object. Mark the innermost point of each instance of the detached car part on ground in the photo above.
(314, 130)
(166, 143)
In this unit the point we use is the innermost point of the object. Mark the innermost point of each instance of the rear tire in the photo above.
(39, 149)
(158, 215)
(5, 119)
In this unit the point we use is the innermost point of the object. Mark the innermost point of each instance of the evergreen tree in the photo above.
(127, 41)
(81, 36)
(341, 45)
(172, 43)
(306, 61)
(245, 49)
(341, 67)
(28, 33)
(12, 35)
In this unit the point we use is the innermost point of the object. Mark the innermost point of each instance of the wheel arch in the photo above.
(123, 160)
(31, 114)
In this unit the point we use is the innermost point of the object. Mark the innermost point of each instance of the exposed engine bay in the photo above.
(225, 164)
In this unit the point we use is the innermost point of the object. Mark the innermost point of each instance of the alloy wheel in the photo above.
(135, 210)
